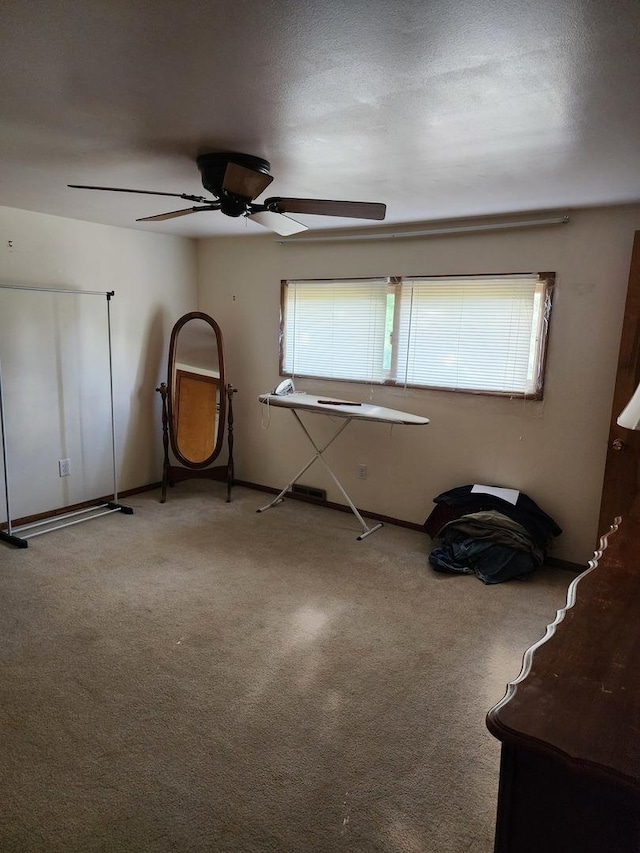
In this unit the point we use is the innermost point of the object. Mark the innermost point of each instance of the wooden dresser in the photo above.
(570, 723)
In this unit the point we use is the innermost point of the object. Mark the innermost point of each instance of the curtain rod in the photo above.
(433, 232)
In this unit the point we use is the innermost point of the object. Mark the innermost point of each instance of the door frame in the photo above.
(621, 483)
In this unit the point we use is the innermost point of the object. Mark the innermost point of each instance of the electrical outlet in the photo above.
(362, 472)
(64, 467)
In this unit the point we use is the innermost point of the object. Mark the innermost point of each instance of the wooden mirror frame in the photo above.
(187, 468)
(171, 390)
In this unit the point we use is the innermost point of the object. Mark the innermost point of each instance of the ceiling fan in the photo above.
(235, 180)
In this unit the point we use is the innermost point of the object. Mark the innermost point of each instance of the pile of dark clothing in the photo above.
(480, 532)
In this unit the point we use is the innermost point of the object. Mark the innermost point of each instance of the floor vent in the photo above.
(308, 492)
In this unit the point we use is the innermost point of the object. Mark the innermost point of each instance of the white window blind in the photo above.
(335, 329)
(477, 334)
(470, 333)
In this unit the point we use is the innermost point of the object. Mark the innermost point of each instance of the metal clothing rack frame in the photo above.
(10, 535)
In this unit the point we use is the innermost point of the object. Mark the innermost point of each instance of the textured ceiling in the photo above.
(440, 109)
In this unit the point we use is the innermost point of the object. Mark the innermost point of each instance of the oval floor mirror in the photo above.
(197, 405)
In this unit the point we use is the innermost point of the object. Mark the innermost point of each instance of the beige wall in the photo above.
(154, 279)
(554, 450)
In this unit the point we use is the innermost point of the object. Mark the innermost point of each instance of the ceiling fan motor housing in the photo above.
(213, 166)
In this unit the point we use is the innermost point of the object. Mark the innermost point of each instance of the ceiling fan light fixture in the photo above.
(233, 205)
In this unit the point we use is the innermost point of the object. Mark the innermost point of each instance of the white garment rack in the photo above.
(57, 521)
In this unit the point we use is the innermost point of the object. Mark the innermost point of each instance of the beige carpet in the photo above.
(197, 677)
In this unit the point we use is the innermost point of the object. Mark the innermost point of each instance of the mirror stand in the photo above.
(172, 474)
(197, 404)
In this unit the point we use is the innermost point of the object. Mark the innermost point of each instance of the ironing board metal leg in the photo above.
(365, 527)
(318, 455)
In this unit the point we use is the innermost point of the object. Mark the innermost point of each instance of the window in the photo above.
(474, 333)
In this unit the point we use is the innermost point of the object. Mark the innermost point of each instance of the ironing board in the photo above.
(346, 410)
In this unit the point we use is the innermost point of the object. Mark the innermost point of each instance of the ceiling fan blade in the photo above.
(141, 192)
(277, 222)
(244, 182)
(175, 213)
(325, 207)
